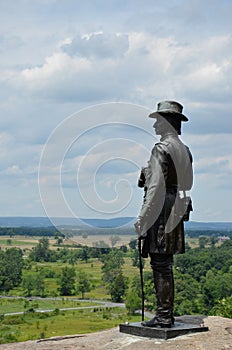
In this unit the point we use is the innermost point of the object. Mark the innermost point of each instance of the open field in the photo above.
(30, 242)
(9, 305)
(32, 325)
(90, 240)
(26, 242)
(22, 242)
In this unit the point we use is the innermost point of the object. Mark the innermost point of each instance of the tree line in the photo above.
(69, 232)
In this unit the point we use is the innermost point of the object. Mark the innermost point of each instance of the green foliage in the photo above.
(208, 233)
(133, 244)
(29, 231)
(11, 265)
(113, 260)
(136, 259)
(85, 254)
(197, 262)
(116, 283)
(117, 288)
(203, 277)
(41, 252)
(123, 248)
(28, 283)
(216, 285)
(67, 281)
(187, 290)
(222, 307)
(83, 283)
(133, 302)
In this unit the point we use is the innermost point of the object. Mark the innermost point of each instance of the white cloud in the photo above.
(57, 63)
(98, 45)
(149, 66)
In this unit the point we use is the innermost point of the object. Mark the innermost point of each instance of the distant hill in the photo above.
(20, 221)
(194, 225)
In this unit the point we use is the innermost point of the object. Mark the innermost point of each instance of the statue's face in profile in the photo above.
(160, 125)
(164, 125)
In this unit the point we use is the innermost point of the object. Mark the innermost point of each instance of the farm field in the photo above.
(26, 242)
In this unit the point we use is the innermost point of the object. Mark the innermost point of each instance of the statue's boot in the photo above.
(164, 290)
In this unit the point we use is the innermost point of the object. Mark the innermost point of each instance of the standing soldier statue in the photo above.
(160, 224)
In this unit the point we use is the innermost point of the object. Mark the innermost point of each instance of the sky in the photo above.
(78, 80)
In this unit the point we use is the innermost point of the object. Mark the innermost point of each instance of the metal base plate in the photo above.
(179, 328)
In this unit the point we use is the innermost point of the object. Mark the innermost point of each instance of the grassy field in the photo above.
(44, 325)
(21, 304)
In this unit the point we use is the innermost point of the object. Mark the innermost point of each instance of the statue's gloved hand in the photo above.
(139, 228)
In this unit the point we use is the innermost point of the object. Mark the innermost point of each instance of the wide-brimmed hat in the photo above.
(170, 107)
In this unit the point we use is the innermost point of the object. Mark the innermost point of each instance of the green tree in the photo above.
(133, 302)
(150, 300)
(202, 242)
(133, 244)
(113, 260)
(39, 285)
(59, 240)
(187, 294)
(123, 248)
(118, 286)
(67, 281)
(216, 286)
(222, 307)
(11, 265)
(28, 284)
(83, 283)
(136, 258)
(41, 252)
(85, 253)
(116, 283)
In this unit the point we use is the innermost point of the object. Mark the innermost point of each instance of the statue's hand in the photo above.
(138, 227)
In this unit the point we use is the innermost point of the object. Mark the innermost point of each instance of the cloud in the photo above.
(135, 66)
(98, 45)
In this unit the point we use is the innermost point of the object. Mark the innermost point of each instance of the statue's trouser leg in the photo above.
(164, 286)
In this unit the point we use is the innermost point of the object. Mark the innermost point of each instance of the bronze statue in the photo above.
(165, 206)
